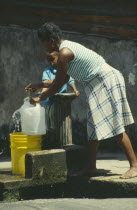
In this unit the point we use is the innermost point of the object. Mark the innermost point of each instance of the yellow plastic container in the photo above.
(20, 145)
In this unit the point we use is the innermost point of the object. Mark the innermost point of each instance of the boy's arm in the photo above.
(36, 86)
(45, 83)
(42, 90)
(73, 86)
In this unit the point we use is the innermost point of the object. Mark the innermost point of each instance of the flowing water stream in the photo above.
(16, 117)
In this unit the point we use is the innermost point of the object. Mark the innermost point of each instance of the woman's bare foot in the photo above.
(132, 172)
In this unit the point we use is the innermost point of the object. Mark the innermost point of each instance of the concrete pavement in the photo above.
(106, 185)
(72, 204)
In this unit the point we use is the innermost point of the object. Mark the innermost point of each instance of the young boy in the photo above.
(48, 76)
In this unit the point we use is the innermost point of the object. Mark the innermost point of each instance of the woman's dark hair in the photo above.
(49, 31)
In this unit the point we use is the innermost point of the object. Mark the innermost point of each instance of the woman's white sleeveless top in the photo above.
(86, 63)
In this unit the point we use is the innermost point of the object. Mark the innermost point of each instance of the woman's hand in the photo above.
(34, 87)
(35, 100)
(43, 96)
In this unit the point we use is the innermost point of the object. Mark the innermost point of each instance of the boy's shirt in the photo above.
(49, 74)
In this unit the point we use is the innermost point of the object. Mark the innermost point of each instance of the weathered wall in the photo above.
(22, 60)
(97, 17)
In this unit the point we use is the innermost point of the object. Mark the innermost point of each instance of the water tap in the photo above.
(29, 93)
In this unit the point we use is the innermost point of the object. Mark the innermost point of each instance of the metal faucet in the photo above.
(29, 93)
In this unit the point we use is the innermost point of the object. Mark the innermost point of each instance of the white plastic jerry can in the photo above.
(32, 119)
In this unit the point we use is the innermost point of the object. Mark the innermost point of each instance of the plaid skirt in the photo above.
(108, 109)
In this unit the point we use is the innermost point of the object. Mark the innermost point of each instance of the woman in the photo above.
(108, 110)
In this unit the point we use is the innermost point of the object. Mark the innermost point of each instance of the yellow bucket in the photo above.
(20, 145)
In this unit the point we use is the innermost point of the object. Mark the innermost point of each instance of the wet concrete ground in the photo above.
(72, 204)
(106, 185)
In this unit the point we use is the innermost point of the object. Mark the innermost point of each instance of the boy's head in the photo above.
(53, 58)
